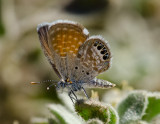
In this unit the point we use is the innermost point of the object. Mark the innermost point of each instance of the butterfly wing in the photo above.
(98, 83)
(94, 57)
(71, 53)
(42, 30)
(65, 38)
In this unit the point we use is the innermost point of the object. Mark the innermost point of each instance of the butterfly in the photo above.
(75, 57)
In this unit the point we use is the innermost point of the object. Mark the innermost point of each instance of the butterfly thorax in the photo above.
(69, 84)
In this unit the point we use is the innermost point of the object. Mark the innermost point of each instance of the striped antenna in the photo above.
(45, 82)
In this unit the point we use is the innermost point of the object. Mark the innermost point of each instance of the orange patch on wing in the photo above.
(66, 38)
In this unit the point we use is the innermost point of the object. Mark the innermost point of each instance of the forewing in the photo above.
(65, 38)
(94, 58)
(42, 30)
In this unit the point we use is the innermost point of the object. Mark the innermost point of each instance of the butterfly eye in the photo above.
(76, 67)
(106, 56)
(96, 43)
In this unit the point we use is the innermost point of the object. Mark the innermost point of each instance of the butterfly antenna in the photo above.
(35, 82)
(50, 86)
(46, 82)
(43, 82)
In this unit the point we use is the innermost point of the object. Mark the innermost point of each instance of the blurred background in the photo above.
(131, 27)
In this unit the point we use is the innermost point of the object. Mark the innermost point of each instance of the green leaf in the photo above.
(132, 108)
(139, 105)
(114, 118)
(153, 108)
(95, 110)
(94, 121)
(58, 116)
(62, 115)
(52, 121)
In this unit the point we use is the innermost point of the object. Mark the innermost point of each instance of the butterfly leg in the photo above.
(69, 94)
(71, 97)
(74, 94)
(85, 92)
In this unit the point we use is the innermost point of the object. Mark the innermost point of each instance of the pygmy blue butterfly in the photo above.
(75, 57)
